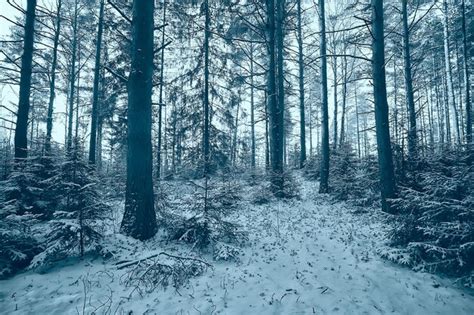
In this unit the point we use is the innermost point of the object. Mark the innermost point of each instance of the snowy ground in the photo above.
(304, 257)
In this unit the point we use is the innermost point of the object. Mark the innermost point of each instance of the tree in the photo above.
(412, 132)
(274, 109)
(21, 130)
(386, 171)
(324, 181)
(301, 88)
(95, 95)
(52, 84)
(139, 220)
(467, 82)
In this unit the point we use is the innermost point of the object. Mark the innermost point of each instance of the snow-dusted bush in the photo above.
(25, 201)
(435, 221)
(17, 247)
(74, 229)
(265, 193)
(312, 167)
(200, 218)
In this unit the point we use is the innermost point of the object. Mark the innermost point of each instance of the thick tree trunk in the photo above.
(412, 131)
(324, 180)
(21, 129)
(301, 89)
(52, 83)
(139, 220)
(95, 95)
(275, 124)
(386, 171)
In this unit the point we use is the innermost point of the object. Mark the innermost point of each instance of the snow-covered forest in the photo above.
(236, 157)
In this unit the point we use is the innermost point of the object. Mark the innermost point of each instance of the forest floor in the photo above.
(308, 256)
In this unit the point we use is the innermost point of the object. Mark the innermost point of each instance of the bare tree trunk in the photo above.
(235, 133)
(21, 129)
(52, 83)
(72, 78)
(275, 45)
(334, 143)
(395, 101)
(139, 220)
(467, 82)
(206, 147)
(95, 95)
(344, 99)
(324, 180)
(267, 135)
(279, 132)
(449, 76)
(412, 131)
(357, 122)
(160, 105)
(252, 110)
(386, 171)
(301, 90)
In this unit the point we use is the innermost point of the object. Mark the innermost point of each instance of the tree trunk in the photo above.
(412, 131)
(139, 220)
(52, 83)
(72, 79)
(344, 99)
(267, 135)
(275, 112)
(357, 122)
(252, 110)
(386, 171)
(301, 90)
(95, 95)
(206, 146)
(21, 129)
(324, 180)
(449, 76)
(279, 121)
(334, 143)
(467, 82)
(160, 105)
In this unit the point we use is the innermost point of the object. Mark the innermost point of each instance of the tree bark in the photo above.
(252, 110)
(386, 171)
(412, 131)
(324, 180)
(139, 220)
(467, 82)
(275, 111)
(52, 83)
(95, 95)
(72, 79)
(449, 76)
(21, 129)
(206, 145)
(160, 106)
(301, 89)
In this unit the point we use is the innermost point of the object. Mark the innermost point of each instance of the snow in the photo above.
(308, 256)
